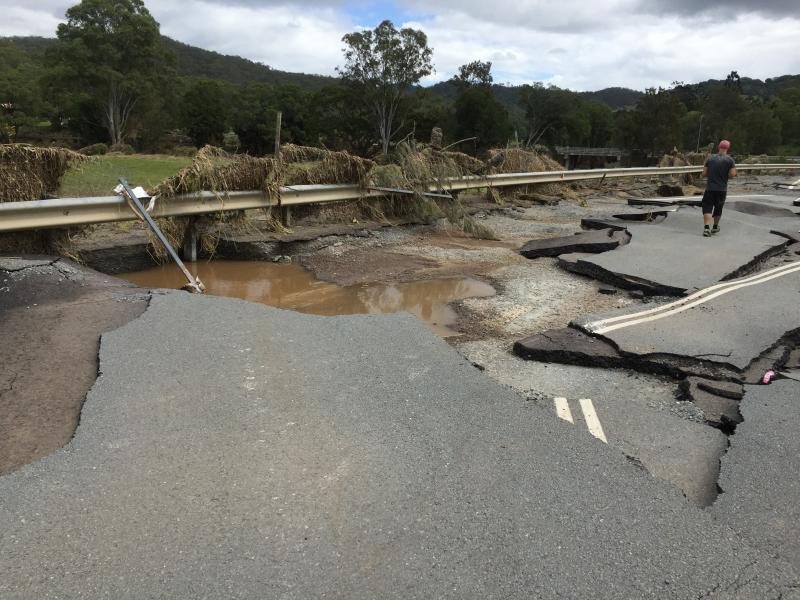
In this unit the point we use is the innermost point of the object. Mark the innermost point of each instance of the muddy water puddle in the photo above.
(291, 286)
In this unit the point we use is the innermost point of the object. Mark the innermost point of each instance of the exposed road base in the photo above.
(52, 313)
(720, 412)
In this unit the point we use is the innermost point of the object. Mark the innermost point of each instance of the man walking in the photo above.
(717, 169)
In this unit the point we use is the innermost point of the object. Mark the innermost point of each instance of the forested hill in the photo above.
(508, 95)
(191, 61)
(615, 97)
(766, 89)
(196, 62)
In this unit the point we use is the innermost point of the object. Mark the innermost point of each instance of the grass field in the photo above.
(99, 176)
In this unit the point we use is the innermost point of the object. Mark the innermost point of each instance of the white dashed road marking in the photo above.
(562, 409)
(592, 422)
(589, 415)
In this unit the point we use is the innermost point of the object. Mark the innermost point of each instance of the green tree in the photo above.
(339, 119)
(204, 112)
(475, 73)
(762, 127)
(478, 113)
(20, 95)
(787, 110)
(693, 131)
(556, 117)
(601, 123)
(423, 110)
(110, 58)
(255, 115)
(724, 110)
(384, 63)
(655, 126)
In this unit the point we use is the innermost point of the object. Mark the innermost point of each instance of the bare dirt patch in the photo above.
(52, 314)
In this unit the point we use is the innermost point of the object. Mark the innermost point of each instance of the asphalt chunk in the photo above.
(586, 241)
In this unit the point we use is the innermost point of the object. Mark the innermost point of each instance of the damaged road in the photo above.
(233, 469)
(670, 257)
(720, 338)
(242, 447)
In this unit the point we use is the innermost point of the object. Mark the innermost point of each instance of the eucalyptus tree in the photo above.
(383, 64)
(110, 59)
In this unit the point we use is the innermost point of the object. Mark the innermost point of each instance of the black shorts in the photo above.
(713, 201)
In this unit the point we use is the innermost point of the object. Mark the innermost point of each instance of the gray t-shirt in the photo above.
(719, 165)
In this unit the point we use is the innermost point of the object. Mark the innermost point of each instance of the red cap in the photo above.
(724, 145)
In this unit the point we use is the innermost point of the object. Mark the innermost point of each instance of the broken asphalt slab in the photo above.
(696, 200)
(672, 257)
(584, 241)
(720, 411)
(235, 450)
(572, 346)
(759, 473)
(716, 328)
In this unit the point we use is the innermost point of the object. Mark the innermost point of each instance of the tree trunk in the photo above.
(116, 112)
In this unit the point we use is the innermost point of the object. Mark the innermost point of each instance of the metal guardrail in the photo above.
(66, 212)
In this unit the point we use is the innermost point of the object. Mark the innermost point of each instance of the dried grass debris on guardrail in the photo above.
(33, 173)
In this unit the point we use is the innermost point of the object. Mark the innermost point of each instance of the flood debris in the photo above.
(773, 359)
(33, 173)
(666, 189)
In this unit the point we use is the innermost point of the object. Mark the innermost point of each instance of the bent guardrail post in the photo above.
(194, 284)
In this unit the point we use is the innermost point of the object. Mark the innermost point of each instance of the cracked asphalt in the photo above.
(230, 450)
(347, 457)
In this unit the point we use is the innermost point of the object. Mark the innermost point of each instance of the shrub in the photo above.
(94, 149)
(230, 142)
(184, 151)
(122, 149)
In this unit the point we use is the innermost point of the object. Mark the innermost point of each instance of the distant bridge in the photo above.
(573, 154)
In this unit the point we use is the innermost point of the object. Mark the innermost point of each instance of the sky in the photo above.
(582, 45)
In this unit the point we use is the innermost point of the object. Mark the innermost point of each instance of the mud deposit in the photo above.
(290, 286)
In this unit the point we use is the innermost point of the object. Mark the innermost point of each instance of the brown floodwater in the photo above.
(291, 286)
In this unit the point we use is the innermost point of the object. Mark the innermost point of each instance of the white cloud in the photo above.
(632, 43)
(36, 19)
(533, 15)
(284, 37)
(647, 51)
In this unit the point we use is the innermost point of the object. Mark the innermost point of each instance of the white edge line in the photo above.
(592, 422)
